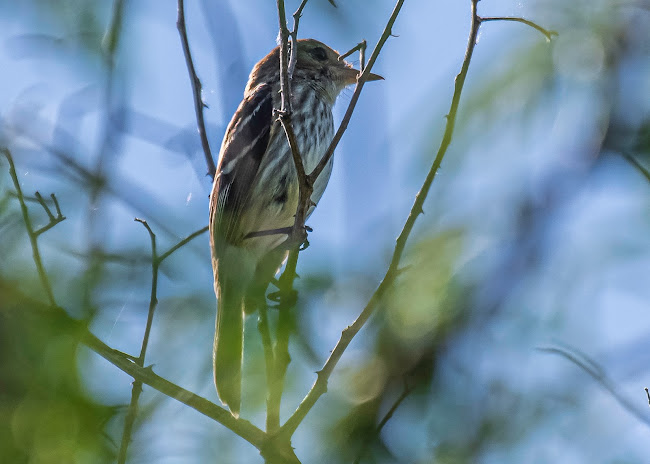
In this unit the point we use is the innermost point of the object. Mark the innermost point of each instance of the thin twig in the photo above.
(361, 80)
(183, 242)
(281, 349)
(33, 236)
(547, 33)
(596, 372)
(264, 233)
(13, 299)
(297, 236)
(320, 386)
(54, 220)
(41, 201)
(136, 390)
(637, 165)
(199, 104)
(361, 48)
(267, 345)
(294, 38)
(408, 388)
(305, 187)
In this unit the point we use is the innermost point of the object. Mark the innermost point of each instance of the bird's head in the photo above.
(317, 65)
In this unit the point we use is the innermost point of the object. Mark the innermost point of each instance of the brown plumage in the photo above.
(256, 189)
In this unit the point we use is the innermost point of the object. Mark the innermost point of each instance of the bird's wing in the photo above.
(244, 145)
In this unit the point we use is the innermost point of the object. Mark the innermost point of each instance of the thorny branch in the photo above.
(274, 447)
(199, 104)
(297, 235)
(320, 386)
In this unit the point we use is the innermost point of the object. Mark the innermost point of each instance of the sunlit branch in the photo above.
(320, 386)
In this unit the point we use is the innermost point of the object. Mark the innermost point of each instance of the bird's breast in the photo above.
(275, 189)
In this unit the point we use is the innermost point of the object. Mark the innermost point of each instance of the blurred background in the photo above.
(535, 233)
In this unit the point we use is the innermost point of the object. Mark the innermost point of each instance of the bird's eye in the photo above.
(318, 53)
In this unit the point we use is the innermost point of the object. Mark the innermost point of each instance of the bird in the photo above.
(255, 190)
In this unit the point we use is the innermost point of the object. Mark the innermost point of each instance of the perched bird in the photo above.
(256, 190)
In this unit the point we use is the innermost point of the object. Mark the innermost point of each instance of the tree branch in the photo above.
(199, 104)
(297, 235)
(637, 165)
(54, 220)
(408, 388)
(547, 33)
(14, 299)
(596, 372)
(136, 390)
(320, 386)
(361, 80)
(33, 236)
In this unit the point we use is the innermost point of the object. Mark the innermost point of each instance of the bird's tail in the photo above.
(228, 345)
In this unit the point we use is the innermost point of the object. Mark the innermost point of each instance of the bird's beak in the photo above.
(350, 76)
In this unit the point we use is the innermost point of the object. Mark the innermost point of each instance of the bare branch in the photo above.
(33, 236)
(136, 390)
(547, 33)
(54, 220)
(294, 38)
(596, 372)
(320, 386)
(199, 104)
(153, 302)
(41, 201)
(287, 300)
(408, 388)
(183, 242)
(15, 300)
(361, 80)
(267, 345)
(637, 165)
(297, 236)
